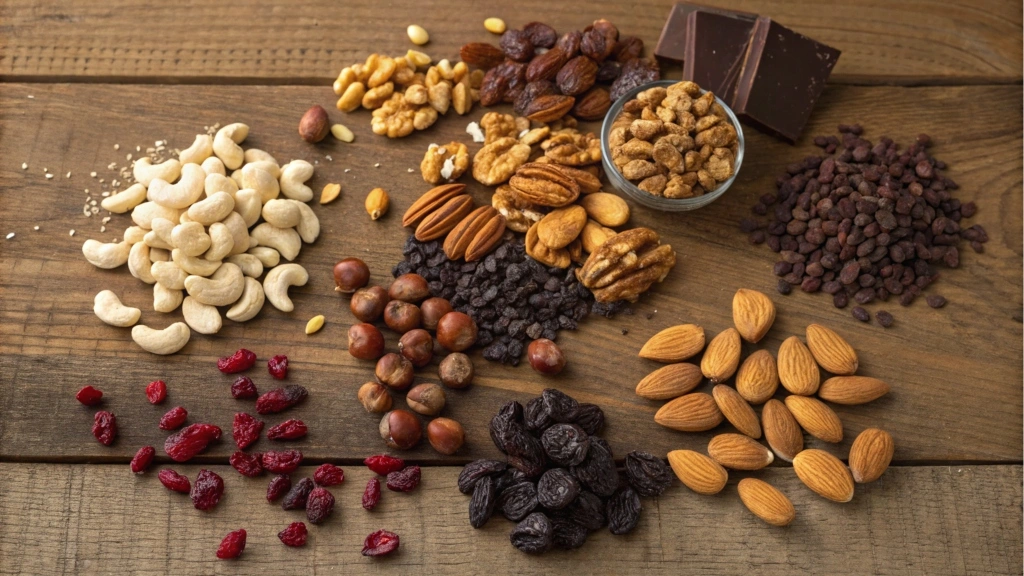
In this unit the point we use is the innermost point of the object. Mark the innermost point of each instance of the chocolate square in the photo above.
(716, 46)
(674, 38)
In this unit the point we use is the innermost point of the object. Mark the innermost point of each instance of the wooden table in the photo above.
(81, 78)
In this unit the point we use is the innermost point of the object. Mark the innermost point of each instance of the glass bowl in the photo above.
(646, 198)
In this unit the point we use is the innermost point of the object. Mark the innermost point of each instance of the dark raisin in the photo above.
(241, 360)
(143, 458)
(280, 399)
(481, 505)
(533, 534)
(936, 301)
(516, 45)
(173, 419)
(635, 72)
(156, 391)
(371, 495)
(295, 499)
(588, 511)
(319, 505)
(287, 430)
(189, 441)
(565, 444)
(647, 474)
(278, 367)
(536, 415)
(541, 35)
(404, 480)
(246, 464)
(245, 430)
(278, 486)
(104, 427)
(174, 481)
(294, 535)
(518, 500)
(861, 314)
(232, 545)
(328, 475)
(590, 418)
(207, 490)
(597, 471)
(884, 318)
(623, 511)
(380, 543)
(383, 464)
(508, 478)
(566, 534)
(243, 388)
(476, 470)
(556, 489)
(561, 407)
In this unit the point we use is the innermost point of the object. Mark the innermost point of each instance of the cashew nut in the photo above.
(107, 255)
(293, 175)
(309, 225)
(219, 183)
(145, 171)
(166, 341)
(202, 318)
(109, 309)
(133, 234)
(267, 255)
(198, 152)
(221, 289)
(160, 235)
(226, 144)
(193, 265)
(181, 194)
(159, 255)
(239, 232)
(237, 177)
(125, 200)
(271, 167)
(285, 240)
(213, 209)
(248, 204)
(144, 213)
(191, 238)
(139, 263)
(213, 165)
(184, 219)
(221, 242)
(257, 155)
(249, 303)
(282, 213)
(261, 181)
(166, 299)
(277, 282)
(169, 275)
(250, 265)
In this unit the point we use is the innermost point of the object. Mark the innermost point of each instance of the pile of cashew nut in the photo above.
(203, 236)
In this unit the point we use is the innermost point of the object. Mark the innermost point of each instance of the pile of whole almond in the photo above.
(782, 422)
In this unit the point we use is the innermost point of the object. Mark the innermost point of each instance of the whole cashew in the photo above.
(144, 213)
(250, 265)
(213, 209)
(267, 255)
(106, 255)
(181, 194)
(261, 181)
(282, 213)
(169, 275)
(109, 309)
(239, 232)
(191, 238)
(199, 151)
(257, 155)
(285, 240)
(202, 318)
(219, 183)
(277, 282)
(237, 177)
(184, 219)
(160, 235)
(133, 234)
(249, 303)
(293, 176)
(193, 265)
(159, 255)
(125, 200)
(166, 299)
(221, 289)
(248, 204)
(270, 167)
(163, 342)
(145, 171)
(309, 225)
(139, 263)
(226, 144)
(213, 165)
(221, 242)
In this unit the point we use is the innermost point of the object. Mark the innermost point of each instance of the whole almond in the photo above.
(549, 107)
(441, 221)
(674, 344)
(798, 371)
(816, 418)
(698, 472)
(824, 474)
(593, 105)
(736, 410)
(593, 235)
(561, 226)
(607, 209)
(314, 125)
(766, 502)
(830, 350)
(722, 356)
(430, 202)
(694, 412)
(870, 455)
(739, 452)
(753, 313)
(852, 390)
(481, 55)
(758, 377)
(781, 430)
(458, 239)
(670, 381)
(486, 239)
(545, 66)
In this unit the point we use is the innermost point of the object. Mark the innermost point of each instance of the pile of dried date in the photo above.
(560, 482)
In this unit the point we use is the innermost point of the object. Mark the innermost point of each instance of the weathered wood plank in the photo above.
(254, 41)
(955, 373)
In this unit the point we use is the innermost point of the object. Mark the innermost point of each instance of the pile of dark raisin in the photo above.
(560, 481)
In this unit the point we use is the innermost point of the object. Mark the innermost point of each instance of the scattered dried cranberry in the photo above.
(278, 366)
(207, 490)
(384, 464)
(243, 388)
(319, 505)
(282, 462)
(237, 362)
(174, 481)
(245, 430)
(156, 391)
(280, 399)
(143, 458)
(232, 545)
(246, 464)
(173, 419)
(89, 396)
(296, 498)
(294, 535)
(329, 475)
(288, 430)
(405, 480)
(104, 427)
(278, 486)
(380, 543)
(189, 441)
(371, 496)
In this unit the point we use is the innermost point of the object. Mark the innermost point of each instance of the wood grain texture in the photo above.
(73, 519)
(955, 373)
(259, 41)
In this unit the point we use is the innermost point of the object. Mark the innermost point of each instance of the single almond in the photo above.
(722, 356)
(852, 390)
(830, 350)
(458, 239)
(758, 377)
(736, 410)
(674, 344)
(781, 430)
(607, 209)
(739, 452)
(441, 221)
(870, 455)
(798, 371)
(670, 381)
(330, 193)
(766, 502)
(698, 472)
(824, 474)
(816, 418)
(561, 226)
(429, 202)
(694, 412)
(486, 239)
(753, 313)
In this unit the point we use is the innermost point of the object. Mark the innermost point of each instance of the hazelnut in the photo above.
(409, 288)
(433, 309)
(350, 275)
(418, 346)
(394, 371)
(368, 304)
(545, 356)
(402, 316)
(365, 341)
(456, 370)
(314, 125)
(375, 398)
(456, 331)
(445, 435)
(427, 399)
(401, 429)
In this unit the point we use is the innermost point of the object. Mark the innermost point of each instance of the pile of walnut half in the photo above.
(674, 142)
(203, 238)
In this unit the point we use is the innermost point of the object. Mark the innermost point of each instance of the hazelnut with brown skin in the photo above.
(545, 356)
(365, 341)
(375, 398)
(367, 304)
(350, 275)
(418, 346)
(445, 435)
(456, 370)
(409, 288)
(401, 429)
(402, 316)
(433, 309)
(395, 371)
(456, 331)
(427, 399)
(314, 125)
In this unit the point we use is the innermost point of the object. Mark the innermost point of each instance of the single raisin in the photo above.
(405, 480)
(862, 314)
(246, 464)
(239, 361)
(232, 545)
(89, 396)
(287, 430)
(562, 407)
(588, 511)
(278, 486)
(242, 388)
(173, 419)
(280, 399)
(884, 318)
(278, 366)
(565, 444)
(509, 477)
(156, 391)
(541, 35)
(143, 458)
(647, 474)
(518, 500)
(282, 462)
(104, 427)
(245, 430)
(556, 489)
(380, 543)
(533, 534)
(597, 471)
(481, 505)
(476, 470)
(516, 45)
(623, 511)
(328, 475)
(294, 535)
(536, 415)
(190, 440)
(590, 418)
(207, 490)
(295, 499)
(174, 482)
(566, 534)
(319, 505)
(371, 496)
(383, 464)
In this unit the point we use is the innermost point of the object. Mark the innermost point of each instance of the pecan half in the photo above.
(486, 239)
(430, 202)
(459, 238)
(442, 220)
(544, 184)
(626, 265)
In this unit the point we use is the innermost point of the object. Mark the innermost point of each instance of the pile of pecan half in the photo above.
(447, 211)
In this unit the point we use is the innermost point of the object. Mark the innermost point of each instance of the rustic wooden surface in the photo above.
(950, 504)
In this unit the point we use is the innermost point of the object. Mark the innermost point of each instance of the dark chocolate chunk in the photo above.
(716, 46)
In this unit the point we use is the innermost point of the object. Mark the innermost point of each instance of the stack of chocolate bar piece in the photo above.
(768, 74)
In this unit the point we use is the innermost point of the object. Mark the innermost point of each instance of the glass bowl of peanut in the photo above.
(671, 145)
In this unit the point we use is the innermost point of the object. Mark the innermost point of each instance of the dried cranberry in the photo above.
(143, 458)
(173, 419)
(156, 391)
(280, 399)
(383, 464)
(246, 464)
(245, 430)
(380, 543)
(104, 427)
(89, 396)
(243, 388)
(189, 441)
(371, 496)
(278, 366)
(288, 430)
(319, 505)
(232, 545)
(207, 490)
(328, 475)
(282, 462)
(237, 362)
(405, 480)
(174, 481)
(296, 498)
(294, 535)
(278, 486)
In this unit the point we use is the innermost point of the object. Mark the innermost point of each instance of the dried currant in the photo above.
(518, 500)
(143, 458)
(245, 430)
(246, 464)
(295, 499)
(516, 45)
(278, 486)
(173, 418)
(156, 391)
(278, 366)
(288, 430)
(294, 535)
(540, 34)
(174, 482)
(319, 505)
(282, 462)
(232, 545)
(566, 534)
(597, 471)
(383, 464)
(89, 396)
(328, 475)
(565, 444)
(243, 388)
(556, 489)
(104, 427)
(536, 415)
(207, 490)
(588, 511)
(533, 534)
(371, 496)
(590, 418)
(405, 480)
(481, 505)
(623, 511)
(647, 474)
(239, 361)
(280, 399)
(476, 470)
(562, 407)
(380, 543)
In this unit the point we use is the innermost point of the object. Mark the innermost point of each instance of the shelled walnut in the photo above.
(444, 163)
